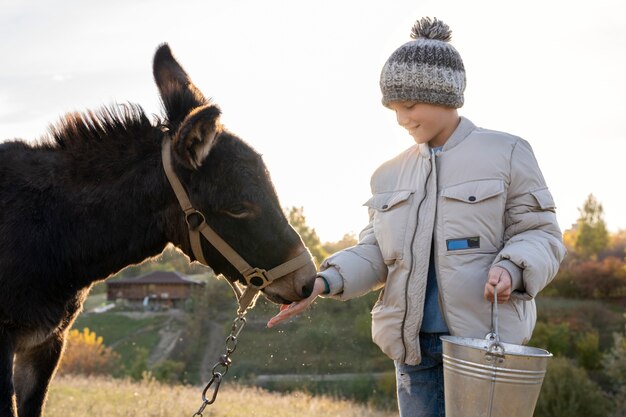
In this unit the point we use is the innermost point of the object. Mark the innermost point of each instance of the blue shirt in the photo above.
(432, 321)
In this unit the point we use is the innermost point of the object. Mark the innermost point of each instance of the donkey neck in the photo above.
(122, 218)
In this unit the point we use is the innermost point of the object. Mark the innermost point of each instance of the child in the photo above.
(462, 213)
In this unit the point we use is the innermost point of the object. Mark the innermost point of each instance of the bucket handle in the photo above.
(495, 347)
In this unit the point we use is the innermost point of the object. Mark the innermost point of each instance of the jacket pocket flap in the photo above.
(544, 198)
(386, 201)
(474, 191)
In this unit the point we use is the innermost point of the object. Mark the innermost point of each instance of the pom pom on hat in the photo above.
(431, 29)
(427, 69)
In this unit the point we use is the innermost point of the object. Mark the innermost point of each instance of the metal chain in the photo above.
(221, 366)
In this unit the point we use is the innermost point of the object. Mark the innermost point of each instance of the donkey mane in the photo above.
(108, 125)
(115, 138)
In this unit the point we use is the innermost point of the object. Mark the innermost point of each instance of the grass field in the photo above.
(128, 336)
(114, 327)
(103, 397)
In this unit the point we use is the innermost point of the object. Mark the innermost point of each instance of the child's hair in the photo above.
(427, 69)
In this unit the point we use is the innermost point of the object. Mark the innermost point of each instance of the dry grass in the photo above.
(104, 397)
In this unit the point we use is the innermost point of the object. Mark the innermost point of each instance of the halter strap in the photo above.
(256, 278)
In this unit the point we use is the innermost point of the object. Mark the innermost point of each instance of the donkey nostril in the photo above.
(307, 289)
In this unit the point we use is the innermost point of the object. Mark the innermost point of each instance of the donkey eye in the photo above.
(239, 211)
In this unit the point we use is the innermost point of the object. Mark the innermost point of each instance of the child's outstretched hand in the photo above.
(288, 311)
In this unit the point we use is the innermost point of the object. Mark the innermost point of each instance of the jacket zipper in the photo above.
(437, 275)
(442, 304)
(406, 286)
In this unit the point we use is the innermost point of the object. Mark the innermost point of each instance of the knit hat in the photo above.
(427, 69)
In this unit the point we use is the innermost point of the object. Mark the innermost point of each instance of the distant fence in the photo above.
(296, 378)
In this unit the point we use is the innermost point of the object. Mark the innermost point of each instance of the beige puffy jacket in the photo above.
(481, 201)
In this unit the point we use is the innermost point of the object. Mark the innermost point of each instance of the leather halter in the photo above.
(256, 278)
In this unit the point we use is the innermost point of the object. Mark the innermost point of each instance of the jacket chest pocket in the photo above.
(473, 216)
(391, 211)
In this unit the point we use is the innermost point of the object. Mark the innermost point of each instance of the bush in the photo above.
(581, 316)
(568, 392)
(555, 338)
(565, 284)
(588, 351)
(169, 371)
(139, 365)
(85, 354)
(592, 279)
(615, 369)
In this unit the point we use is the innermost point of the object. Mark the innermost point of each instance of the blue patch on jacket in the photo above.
(464, 243)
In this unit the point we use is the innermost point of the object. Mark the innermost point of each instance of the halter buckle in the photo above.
(194, 219)
(257, 278)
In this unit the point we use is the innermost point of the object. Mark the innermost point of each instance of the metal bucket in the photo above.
(488, 378)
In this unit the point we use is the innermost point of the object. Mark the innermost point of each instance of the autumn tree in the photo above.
(569, 239)
(86, 354)
(617, 245)
(296, 218)
(592, 235)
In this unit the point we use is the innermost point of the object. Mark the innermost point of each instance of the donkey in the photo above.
(92, 198)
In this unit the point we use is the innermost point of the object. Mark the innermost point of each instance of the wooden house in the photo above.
(165, 288)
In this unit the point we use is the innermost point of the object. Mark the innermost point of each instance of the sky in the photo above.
(298, 80)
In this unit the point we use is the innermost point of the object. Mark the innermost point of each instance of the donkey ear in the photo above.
(196, 135)
(178, 94)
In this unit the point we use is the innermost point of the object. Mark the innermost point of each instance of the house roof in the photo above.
(156, 277)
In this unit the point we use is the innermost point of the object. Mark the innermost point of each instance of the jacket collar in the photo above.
(462, 131)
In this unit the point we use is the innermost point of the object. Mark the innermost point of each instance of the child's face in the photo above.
(425, 122)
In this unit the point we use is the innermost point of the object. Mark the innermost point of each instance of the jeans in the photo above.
(420, 387)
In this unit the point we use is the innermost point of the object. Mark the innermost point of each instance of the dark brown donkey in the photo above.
(94, 198)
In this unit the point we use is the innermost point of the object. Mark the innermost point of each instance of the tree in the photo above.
(296, 218)
(171, 259)
(592, 234)
(86, 354)
(348, 240)
(569, 241)
(617, 245)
